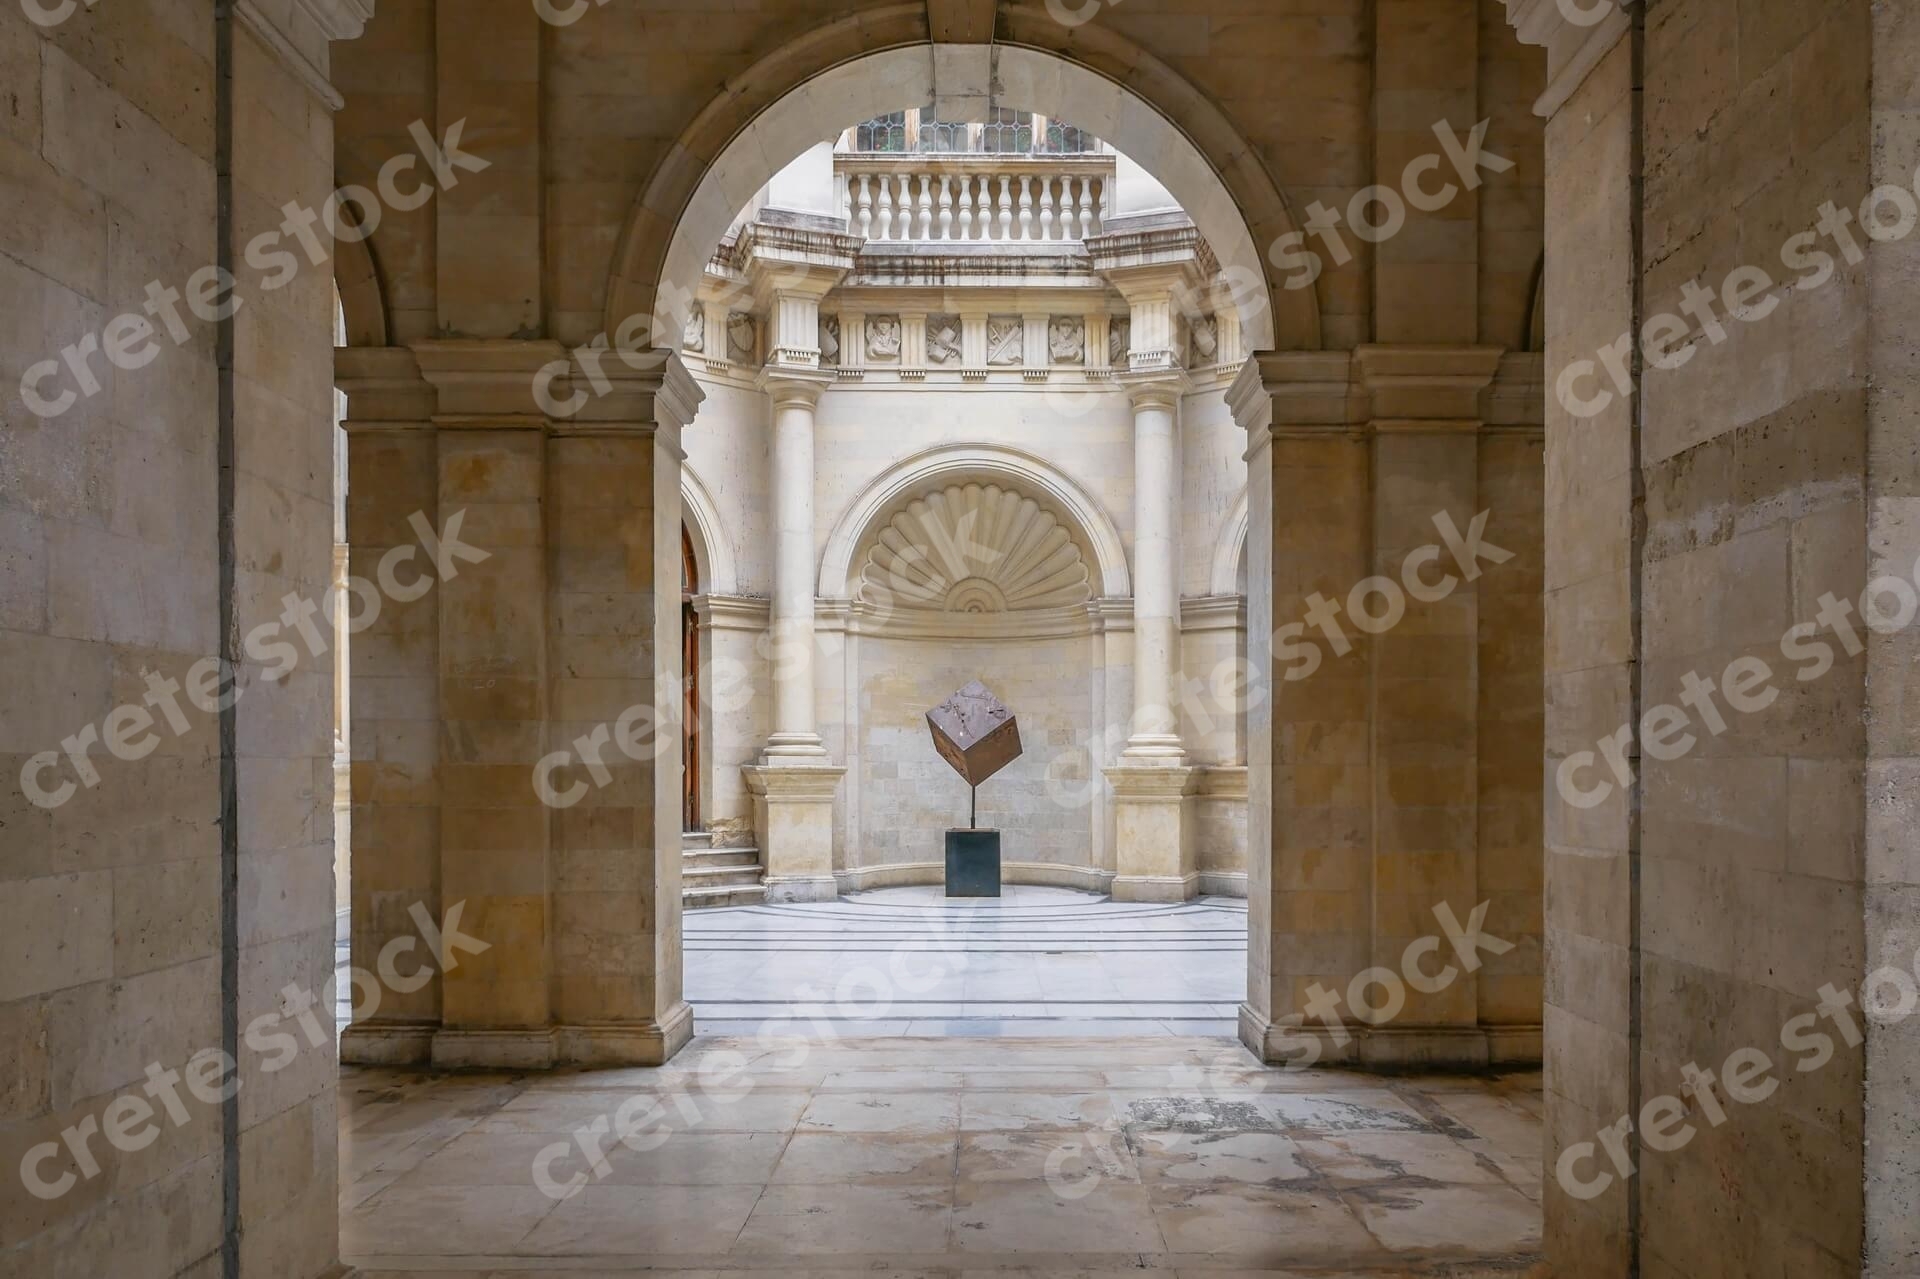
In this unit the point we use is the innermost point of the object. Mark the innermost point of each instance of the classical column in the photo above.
(794, 784)
(1153, 846)
(795, 395)
(793, 788)
(1156, 591)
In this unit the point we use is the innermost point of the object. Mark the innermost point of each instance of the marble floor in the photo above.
(958, 1158)
(909, 961)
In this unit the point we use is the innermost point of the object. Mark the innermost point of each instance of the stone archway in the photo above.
(1152, 115)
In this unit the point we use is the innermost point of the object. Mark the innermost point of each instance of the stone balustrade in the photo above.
(975, 198)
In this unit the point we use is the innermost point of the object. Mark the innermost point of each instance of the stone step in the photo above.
(709, 857)
(693, 839)
(710, 876)
(726, 895)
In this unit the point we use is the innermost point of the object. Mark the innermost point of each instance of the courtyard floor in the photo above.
(899, 1086)
(956, 1158)
(909, 961)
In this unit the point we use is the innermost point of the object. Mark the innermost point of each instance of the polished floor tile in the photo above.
(1016, 1158)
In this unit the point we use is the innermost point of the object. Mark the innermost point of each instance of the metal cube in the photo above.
(975, 732)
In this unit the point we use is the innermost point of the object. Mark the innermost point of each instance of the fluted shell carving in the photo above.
(975, 548)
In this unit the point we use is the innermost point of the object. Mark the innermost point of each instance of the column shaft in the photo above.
(1156, 595)
(795, 731)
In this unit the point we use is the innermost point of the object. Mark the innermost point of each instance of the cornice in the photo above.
(1577, 35)
(281, 43)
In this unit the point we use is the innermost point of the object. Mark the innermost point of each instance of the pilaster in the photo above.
(1363, 757)
(470, 771)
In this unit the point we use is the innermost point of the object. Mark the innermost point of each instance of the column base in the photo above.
(1155, 749)
(793, 815)
(794, 746)
(627, 1043)
(802, 888)
(1388, 1049)
(1155, 854)
(377, 1043)
(528, 1048)
(1150, 888)
(642, 1043)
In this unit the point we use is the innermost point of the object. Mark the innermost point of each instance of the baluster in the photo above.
(1006, 209)
(903, 208)
(1086, 207)
(863, 217)
(964, 214)
(883, 213)
(923, 225)
(1046, 209)
(944, 230)
(1026, 208)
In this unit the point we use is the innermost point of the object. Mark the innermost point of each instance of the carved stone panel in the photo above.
(943, 339)
(1067, 339)
(883, 338)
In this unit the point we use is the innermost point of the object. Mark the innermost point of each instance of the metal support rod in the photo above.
(973, 808)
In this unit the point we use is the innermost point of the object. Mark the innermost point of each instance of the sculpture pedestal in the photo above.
(973, 863)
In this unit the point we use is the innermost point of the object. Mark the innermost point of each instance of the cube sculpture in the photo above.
(974, 732)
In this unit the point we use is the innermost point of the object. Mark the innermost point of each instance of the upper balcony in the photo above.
(973, 198)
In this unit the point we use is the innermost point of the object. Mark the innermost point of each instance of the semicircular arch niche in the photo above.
(974, 548)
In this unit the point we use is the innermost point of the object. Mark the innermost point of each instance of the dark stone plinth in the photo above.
(973, 863)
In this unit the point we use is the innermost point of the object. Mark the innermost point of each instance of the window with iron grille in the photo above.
(1066, 139)
(886, 133)
(1008, 132)
(942, 135)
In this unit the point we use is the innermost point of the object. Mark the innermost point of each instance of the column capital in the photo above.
(794, 386)
(1297, 390)
(1156, 388)
(797, 261)
(1577, 35)
(1425, 383)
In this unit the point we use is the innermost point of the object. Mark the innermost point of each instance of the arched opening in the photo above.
(980, 340)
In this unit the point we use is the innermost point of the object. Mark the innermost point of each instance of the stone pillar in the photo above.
(1730, 744)
(1591, 650)
(495, 834)
(1309, 760)
(793, 787)
(518, 727)
(1364, 726)
(1423, 678)
(394, 703)
(795, 397)
(1154, 850)
(613, 628)
(1156, 590)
